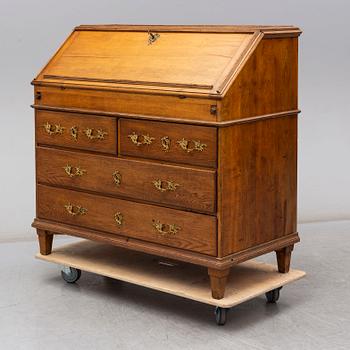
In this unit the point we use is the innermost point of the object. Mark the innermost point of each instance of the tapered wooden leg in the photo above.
(283, 258)
(218, 280)
(45, 241)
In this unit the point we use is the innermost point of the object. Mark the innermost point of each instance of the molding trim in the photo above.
(125, 81)
(261, 249)
(271, 30)
(167, 119)
(239, 63)
(164, 251)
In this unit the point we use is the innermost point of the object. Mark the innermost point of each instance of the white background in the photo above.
(31, 31)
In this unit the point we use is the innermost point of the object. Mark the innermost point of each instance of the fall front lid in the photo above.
(186, 61)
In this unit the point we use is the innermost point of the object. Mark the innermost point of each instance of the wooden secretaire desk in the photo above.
(178, 141)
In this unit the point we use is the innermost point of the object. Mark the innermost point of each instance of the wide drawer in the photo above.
(180, 143)
(72, 130)
(175, 228)
(183, 187)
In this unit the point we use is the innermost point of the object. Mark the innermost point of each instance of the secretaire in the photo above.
(177, 141)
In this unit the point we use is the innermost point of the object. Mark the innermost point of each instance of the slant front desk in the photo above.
(177, 141)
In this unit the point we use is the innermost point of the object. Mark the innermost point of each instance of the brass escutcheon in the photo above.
(118, 217)
(152, 37)
(74, 132)
(165, 141)
(117, 177)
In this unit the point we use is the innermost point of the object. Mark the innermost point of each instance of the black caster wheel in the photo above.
(220, 315)
(70, 274)
(273, 295)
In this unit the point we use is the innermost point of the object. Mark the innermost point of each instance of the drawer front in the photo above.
(72, 130)
(159, 183)
(175, 228)
(172, 142)
(128, 103)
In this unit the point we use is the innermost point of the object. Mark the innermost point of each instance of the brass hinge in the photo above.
(213, 109)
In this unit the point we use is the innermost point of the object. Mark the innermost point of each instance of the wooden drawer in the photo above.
(72, 130)
(185, 230)
(172, 142)
(159, 183)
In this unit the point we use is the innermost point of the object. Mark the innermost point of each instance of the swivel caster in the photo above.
(220, 315)
(273, 295)
(70, 274)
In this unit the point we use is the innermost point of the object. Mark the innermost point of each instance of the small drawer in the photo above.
(177, 186)
(175, 228)
(172, 142)
(79, 131)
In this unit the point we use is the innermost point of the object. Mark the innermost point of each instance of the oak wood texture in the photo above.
(81, 123)
(165, 251)
(174, 133)
(123, 57)
(249, 279)
(133, 102)
(219, 124)
(45, 241)
(115, 58)
(257, 179)
(218, 281)
(208, 28)
(195, 188)
(195, 232)
(267, 82)
(173, 56)
(283, 258)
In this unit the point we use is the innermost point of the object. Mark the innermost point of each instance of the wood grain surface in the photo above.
(257, 179)
(267, 83)
(195, 232)
(81, 123)
(175, 133)
(195, 188)
(129, 58)
(153, 104)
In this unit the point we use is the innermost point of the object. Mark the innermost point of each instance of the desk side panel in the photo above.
(257, 183)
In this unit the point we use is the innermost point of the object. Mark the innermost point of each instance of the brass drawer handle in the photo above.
(165, 141)
(98, 135)
(117, 177)
(164, 186)
(166, 229)
(74, 132)
(56, 129)
(75, 210)
(135, 139)
(118, 217)
(197, 145)
(71, 173)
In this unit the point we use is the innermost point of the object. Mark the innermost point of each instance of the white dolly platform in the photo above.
(248, 280)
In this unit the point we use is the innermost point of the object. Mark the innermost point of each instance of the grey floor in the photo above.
(40, 311)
